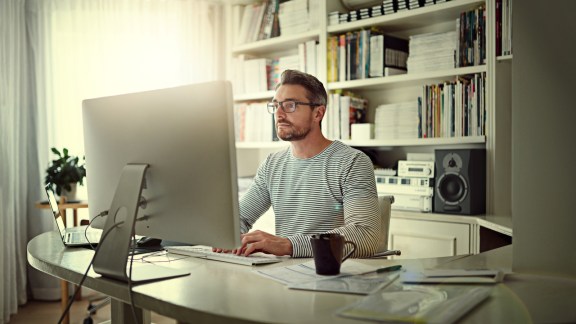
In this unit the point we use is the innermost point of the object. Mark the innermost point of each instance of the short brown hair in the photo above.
(315, 88)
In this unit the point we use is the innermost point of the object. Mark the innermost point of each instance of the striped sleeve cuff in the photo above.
(301, 246)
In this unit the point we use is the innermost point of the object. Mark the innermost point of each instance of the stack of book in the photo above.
(257, 21)
(453, 109)
(294, 17)
(365, 53)
(503, 27)
(432, 52)
(253, 123)
(396, 121)
(343, 110)
(254, 75)
(388, 55)
(471, 41)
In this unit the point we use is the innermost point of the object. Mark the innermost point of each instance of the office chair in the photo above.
(385, 206)
(94, 306)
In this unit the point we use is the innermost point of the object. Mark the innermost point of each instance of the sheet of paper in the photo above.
(356, 284)
(305, 272)
(401, 303)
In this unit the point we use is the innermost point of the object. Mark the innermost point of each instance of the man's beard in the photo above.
(294, 134)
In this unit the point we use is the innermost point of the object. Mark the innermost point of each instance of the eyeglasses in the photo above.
(288, 106)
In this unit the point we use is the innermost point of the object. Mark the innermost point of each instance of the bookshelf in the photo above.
(440, 17)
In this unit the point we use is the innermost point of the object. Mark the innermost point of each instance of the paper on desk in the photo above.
(453, 276)
(306, 272)
(418, 303)
(357, 284)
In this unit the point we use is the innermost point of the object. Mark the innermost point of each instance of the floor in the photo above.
(49, 312)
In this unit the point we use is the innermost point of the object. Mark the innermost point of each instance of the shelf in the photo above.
(418, 141)
(504, 58)
(411, 19)
(379, 143)
(405, 80)
(261, 145)
(266, 95)
(276, 44)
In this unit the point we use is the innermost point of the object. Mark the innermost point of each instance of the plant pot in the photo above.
(70, 195)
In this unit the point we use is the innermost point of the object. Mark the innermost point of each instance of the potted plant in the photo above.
(64, 173)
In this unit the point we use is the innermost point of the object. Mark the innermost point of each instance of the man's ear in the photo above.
(320, 112)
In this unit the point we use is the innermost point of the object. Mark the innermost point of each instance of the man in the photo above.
(314, 186)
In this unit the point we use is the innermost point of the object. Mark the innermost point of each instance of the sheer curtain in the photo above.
(15, 133)
(54, 54)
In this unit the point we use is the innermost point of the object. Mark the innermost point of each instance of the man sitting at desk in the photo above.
(314, 186)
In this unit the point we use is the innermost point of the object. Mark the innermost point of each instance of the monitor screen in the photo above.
(186, 137)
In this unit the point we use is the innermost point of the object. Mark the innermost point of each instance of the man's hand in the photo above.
(258, 241)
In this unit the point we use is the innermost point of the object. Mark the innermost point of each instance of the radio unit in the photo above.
(422, 169)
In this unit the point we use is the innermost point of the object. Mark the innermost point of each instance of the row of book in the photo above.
(272, 18)
(343, 110)
(503, 27)
(364, 54)
(453, 109)
(253, 123)
(471, 26)
(253, 75)
(387, 7)
(450, 109)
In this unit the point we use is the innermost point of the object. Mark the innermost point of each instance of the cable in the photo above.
(130, 293)
(102, 214)
(86, 273)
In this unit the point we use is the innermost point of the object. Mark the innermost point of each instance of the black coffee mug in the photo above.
(328, 251)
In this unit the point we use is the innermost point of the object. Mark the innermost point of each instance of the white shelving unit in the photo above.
(398, 88)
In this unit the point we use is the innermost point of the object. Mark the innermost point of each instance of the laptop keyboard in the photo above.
(204, 253)
(79, 237)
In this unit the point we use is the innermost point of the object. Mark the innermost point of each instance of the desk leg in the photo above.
(122, 313)
(64, 300)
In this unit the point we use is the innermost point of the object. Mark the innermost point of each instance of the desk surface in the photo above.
(218, 292)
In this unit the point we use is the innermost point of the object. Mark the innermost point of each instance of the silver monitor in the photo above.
(185, 135)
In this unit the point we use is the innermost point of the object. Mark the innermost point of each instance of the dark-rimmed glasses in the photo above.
(288, 106)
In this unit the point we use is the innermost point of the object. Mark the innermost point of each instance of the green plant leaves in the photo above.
(64, 171)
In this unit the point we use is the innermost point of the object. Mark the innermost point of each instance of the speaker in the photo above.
(460, 186)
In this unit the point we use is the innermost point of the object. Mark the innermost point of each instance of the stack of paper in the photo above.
(293, 17)
(396, 121)
(432, 52)
(401, 303)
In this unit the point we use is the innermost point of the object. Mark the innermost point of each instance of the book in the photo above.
(402, 303)
(387, 51)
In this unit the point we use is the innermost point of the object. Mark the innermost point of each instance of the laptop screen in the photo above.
(56, 211)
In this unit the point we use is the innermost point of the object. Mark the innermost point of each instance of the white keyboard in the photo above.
(206, 253)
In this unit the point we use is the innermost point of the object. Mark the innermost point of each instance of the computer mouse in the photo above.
(149, 242)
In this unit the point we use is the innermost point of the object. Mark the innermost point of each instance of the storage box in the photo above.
(362, 131)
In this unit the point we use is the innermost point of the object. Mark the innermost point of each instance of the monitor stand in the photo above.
(111, 259)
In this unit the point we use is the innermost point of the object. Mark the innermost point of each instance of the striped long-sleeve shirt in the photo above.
(332, 192)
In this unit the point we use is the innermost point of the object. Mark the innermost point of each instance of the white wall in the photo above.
(543, 137)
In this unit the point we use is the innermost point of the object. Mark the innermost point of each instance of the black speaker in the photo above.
(460, 186)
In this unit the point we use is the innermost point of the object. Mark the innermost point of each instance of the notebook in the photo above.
(74, 236)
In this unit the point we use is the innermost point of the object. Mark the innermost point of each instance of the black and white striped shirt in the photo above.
(333, 192)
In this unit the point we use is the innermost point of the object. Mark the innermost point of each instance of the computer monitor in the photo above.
(185, 137)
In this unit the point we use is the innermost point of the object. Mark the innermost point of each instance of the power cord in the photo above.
(104, 235)
(102, 214)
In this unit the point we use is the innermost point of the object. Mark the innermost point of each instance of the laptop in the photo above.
(74, 236)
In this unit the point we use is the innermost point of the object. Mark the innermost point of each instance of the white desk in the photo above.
(220, 292)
